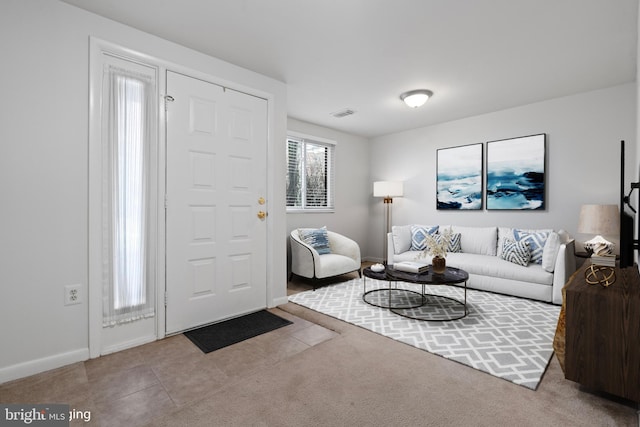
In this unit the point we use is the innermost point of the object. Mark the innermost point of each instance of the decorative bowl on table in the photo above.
(377, 268)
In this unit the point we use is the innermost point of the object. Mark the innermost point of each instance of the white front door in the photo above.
(215, 184)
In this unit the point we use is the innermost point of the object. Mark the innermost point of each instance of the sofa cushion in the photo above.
(490, 266)
(493, 266)
(550, 252)
(516, 252)
(317, 238)
(401, 235)
(536, 241)
(419, 234)
(564, 236)
(477, 240)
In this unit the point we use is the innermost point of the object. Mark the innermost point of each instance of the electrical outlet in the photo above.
(72, 294)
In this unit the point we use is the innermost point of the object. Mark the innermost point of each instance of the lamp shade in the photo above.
(387, 189)
(599, 219)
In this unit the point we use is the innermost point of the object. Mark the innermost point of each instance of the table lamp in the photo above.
(600, 221)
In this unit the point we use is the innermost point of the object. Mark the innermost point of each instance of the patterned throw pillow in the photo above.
(317, 238)
(455, 245)
(454, 242)
(516, 252)
(536, 242)
(418, 234)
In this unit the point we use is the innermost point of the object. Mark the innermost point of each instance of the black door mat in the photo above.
(223, 334)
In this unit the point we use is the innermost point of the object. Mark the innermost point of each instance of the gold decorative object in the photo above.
(600, 275)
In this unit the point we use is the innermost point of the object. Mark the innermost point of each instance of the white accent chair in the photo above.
(307, 262)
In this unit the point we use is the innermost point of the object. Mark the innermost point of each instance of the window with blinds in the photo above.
(310, 173)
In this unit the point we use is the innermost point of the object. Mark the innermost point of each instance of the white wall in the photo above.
(583, 160)
(353, 186)
(44, 170)
(44, 174)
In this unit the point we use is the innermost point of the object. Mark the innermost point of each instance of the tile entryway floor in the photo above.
(134, 386)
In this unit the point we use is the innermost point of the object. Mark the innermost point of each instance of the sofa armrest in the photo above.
(391, 250)
(565, 266)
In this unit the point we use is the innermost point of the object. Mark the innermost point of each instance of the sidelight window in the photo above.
(129, 110)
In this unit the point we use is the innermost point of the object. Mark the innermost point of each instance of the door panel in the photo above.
(216, 172)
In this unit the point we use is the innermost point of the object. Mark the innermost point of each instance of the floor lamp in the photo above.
(388, 190)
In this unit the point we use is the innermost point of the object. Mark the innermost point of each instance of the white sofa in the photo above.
(480, 257)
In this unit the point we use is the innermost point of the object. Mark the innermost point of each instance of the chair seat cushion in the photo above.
(334, 264)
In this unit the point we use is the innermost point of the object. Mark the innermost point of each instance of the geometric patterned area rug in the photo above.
(508, 337)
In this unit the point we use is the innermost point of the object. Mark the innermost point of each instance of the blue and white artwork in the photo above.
(515, 173)
(459, 177)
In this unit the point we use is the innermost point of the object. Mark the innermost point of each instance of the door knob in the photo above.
(262, 214)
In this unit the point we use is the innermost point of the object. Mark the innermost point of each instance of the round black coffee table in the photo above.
(413, 304)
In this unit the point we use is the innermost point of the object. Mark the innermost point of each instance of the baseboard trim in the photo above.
(37, 366)
(280, 301)
(128, 344)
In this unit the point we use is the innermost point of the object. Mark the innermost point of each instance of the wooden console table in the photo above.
(602, 333)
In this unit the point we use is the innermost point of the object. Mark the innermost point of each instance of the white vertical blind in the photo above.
(295, 181)
(129, 119)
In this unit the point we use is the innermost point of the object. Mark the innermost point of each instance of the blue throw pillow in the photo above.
(418, 236)
(536, 242)
(317, 238)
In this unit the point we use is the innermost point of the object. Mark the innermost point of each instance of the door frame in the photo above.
(97, 47)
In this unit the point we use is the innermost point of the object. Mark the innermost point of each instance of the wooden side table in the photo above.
(602, 333)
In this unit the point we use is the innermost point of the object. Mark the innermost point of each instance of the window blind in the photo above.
(310, 174)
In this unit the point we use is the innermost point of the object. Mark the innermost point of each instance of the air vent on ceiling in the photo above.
(343, 113)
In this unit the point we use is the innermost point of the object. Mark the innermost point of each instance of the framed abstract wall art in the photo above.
(459, 177)
(516, 173)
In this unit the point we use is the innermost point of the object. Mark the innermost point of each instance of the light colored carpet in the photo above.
(508, 337)
(360, 378)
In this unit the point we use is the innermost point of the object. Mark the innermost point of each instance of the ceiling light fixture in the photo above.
(416, 98)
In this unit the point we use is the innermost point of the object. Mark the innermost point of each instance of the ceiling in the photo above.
(477, 56)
